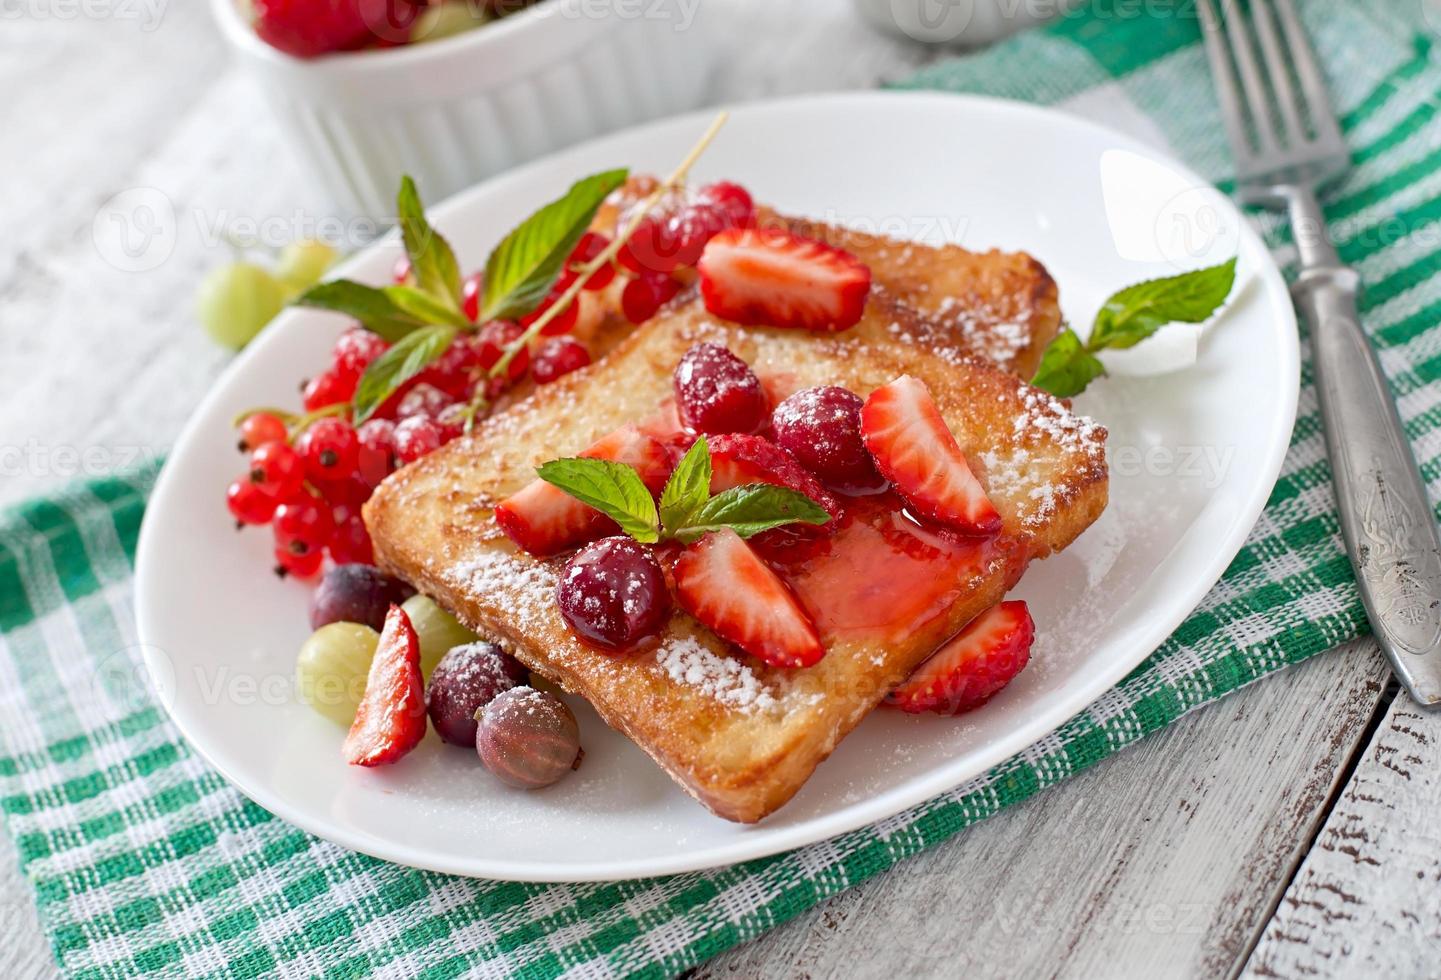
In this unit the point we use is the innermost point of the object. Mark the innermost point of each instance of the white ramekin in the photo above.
(454, 111)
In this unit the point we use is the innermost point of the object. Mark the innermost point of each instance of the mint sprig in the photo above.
(409, 356)
(1129, 317)
(432, 261)
(687, 510)
(525, 265)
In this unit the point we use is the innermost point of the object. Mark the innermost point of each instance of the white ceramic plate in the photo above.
(1194, 455)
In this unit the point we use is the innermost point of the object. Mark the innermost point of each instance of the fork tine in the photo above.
(1313, 83)
(1274, 56)
(1233, 109)
(1251, 83)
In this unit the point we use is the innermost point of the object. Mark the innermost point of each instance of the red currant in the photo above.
(248, 503)
(470, 292)
(303, 525)
(330, 450)
(375, 459)
(451, 421)
(277, 470)
(494, 338)
(260, 428)
(302, 565)
(451, 371)
(325, 389)
(692, 228)
(417, 436)
(424, 400)
(650, 248)
(643, 296)
(558, 357)
(586, 250)
(733, 200)
(350, 542)
(563, 322)
(354, 351)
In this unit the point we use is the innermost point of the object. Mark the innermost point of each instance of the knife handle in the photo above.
(1386, 518)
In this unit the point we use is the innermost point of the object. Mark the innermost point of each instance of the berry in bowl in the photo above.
(368, 90)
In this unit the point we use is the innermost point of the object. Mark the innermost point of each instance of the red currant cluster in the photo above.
(670, 240)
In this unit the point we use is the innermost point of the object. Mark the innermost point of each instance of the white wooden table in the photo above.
(1289, 831)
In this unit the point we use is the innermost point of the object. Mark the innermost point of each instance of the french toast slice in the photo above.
(738, 735)
(1000, 306)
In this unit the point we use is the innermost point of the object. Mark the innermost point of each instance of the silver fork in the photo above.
(1287, 146)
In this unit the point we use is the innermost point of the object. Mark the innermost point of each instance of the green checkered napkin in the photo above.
(143, 860)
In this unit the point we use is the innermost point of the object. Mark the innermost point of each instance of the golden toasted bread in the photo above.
(740, 736)
(1001, 306)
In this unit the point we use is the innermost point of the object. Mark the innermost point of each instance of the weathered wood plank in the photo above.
(1164, 861)
(1367, 899)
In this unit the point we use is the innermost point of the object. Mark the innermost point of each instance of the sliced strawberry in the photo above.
(775, 279)
(967, 671)
(391, 718)
(543, 520)
(738, 460)
(915, 450)
(723, 583)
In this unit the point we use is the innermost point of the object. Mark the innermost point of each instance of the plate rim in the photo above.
(917, 791)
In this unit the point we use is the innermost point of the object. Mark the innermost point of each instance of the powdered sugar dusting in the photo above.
(726, 679)
(523, 587)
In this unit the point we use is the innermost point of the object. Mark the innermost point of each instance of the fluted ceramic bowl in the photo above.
(454, 111)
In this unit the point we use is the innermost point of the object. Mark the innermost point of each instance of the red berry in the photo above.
(470, 292)
(586, 250)
(494, 337)
(733, 200)
(350, 541)
(325, 389)
(644, 295)
(650, 248)
(451, 421)
(613, 594)
(401, 271)
(302, 565)
(248, 503)
(303, 525)
(277, 469)
(563, 323)
(354, 351)
(821, 428)
(417, 436)
(692, 228)
(424, 400)
(558, 357)
(306, 28)
(716, 392)
(260, 428)
(375, 458)
(330, 450)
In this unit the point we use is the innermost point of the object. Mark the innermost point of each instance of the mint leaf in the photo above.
(614, 489)
(688, 487)
(406, 358)
(375, 309)
(1067, 367)
(1134, 313)
(424, 307)
(432, 262)
(751, 509)
(523, 267)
